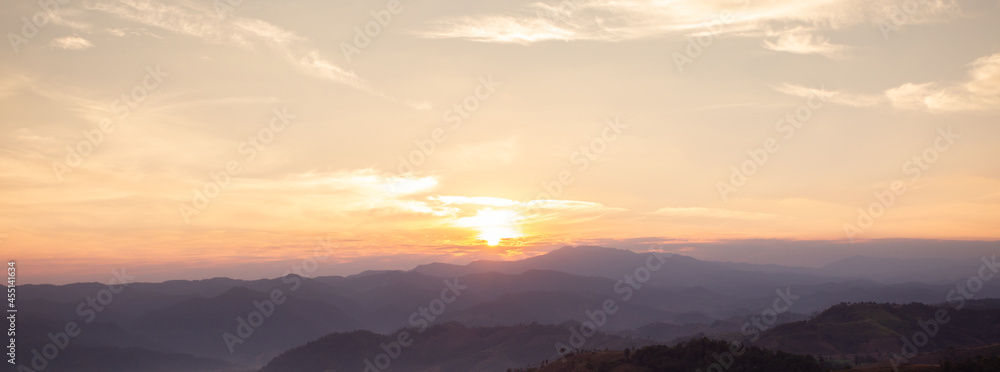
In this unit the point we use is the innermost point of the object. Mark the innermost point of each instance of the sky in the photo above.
(190, 139)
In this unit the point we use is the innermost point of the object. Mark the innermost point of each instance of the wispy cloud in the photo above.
(475, 200)
(241, 32)
(505, 29)
(833, 96)
(12, 83)
(712, 213)
(71, 43)
(800, 41)
(981, 92)
(358, 195)
(533, 211)
(632, 19)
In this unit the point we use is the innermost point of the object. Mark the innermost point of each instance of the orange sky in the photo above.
(162, 136)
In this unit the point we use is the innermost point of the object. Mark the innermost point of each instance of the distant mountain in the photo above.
(884, 270)
(583, 260)
(896, 270)
(675, 271)
(768, 268)
(556, 308)
(682, 298)
(197, 326)
(442, 347)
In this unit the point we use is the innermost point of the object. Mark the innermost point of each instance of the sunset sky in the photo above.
(191, 138)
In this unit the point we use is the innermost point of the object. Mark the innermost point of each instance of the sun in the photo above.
(494, 225)
(493, 234)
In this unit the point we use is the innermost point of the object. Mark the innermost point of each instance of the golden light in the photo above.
(493, 225)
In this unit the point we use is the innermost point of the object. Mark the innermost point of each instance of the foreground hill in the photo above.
(879, 329)
(701, 354)
(443, 347)
(979, 359)
(677, 330)
(83, 358)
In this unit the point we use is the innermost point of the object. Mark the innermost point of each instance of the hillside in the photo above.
(700, 354)
(444, 347)
(878, 329)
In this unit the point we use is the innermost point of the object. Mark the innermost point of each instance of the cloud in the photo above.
(241, 32)
(570, 205)
(909, 95)
(564, 211)
(502, 29)
(566, 205)
(838, 97)
(360, 181)
(61, 17)
(74, 99)
(71, 43)
(12, 83)
(564, 21)
(619, 20)
(567, 211)
(408, 201)
(985, 76)
(128, 31)
(712, 213)
(799, 41)
(475, 200)
(981, 92)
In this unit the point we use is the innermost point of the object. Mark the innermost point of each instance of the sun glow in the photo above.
(493, 225)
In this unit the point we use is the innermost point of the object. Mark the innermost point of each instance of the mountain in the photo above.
(884, 270)
(83, 358)
(442, 347)
(896, 270)
(197, 326)
(667, 298)
(672, 270)
(583, 260)
(679, 329)
(555, 308)
(700, 354)
(874, 328)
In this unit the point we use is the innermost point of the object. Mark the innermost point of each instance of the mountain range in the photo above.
(229, 324)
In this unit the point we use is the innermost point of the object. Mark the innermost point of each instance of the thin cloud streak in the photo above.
(614, 21)
(72, 43)
(980, 92)
(245, 33)
(798, 41)
(833, 96)
(712, 213)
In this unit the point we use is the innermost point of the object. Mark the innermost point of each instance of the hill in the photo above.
(700, 354)
(442, 347)
(878, 328)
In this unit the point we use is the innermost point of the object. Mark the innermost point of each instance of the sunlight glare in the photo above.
(493, 225)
